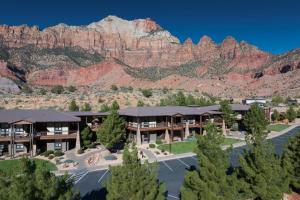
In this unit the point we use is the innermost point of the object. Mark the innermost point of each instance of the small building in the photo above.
(258, 100)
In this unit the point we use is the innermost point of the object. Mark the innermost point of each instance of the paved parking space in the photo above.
(171, 172)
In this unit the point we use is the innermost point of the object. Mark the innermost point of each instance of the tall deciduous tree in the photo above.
(228, 114)
(256, 124)
(211, 181)
(291, 161)
(275, 115)
(133, 180)
(35, 183)
(112, 130)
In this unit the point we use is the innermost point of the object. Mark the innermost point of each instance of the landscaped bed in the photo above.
(189, 146)
(9, 166)
(277, 127)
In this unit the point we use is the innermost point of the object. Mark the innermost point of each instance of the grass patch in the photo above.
(277, 127)
(189, 146)
(13, 166)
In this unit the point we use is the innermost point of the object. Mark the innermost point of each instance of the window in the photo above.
(57, 146)
(4, 129)
(19, 129)
(57, 128)
(19, 147)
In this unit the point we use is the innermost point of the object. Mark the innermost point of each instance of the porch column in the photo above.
(187, 130)
(172, 130)
(77, 147)
(138, 136)
(167, 136)
(223, 127)
(201, 125)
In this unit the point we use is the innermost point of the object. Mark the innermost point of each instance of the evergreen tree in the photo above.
(133, 180)
(261, 174)
(211, 181)
(291, 114)
(228, 114)
(115, 106)
(73, 106)
(35, 183)
(104, 108)
(275, 115)
(86, 107)
(291, 161)
(112, 130)
(256, 124)
(86, 136)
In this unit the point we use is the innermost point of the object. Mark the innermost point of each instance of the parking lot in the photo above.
(171, 172)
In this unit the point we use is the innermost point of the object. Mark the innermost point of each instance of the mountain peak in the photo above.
(229, 40)
(188, 41)
(206, 41)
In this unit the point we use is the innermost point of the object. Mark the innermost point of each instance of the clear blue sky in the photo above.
(273, 25)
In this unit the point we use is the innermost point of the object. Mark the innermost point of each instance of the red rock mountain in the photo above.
(140, 53)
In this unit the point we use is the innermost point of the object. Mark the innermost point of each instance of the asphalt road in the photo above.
(171, 172)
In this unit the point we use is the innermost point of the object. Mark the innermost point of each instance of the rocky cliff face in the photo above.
(137, 51)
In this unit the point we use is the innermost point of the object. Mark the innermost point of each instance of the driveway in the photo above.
(171, 172)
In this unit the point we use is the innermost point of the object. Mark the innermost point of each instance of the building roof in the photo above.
(87, 113)
(164, 111)
(174, 110)
(234, 107)
(33, 116)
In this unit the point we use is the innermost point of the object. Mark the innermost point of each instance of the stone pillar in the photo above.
(223, 127)
(78, 146)
(187, 130)
(167, 136)
(34, 150)
(138, 136)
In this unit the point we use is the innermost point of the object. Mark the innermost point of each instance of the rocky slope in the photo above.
(140, 53)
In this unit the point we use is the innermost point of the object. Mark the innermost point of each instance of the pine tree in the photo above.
(111, 131)
(256, 124)
(86, 136)
(291, 114)
(73, 106)
(115, 106)
(37, 183)
(133, 180)
(86, 107)
(291, 161)
(275, 116)
(211, 181)
(261, 174)
(228, 114)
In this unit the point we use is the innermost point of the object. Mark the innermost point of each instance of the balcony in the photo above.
(153, 126)
(56, 136)
(6, 137)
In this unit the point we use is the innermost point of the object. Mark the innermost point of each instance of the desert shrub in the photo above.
(51, 156)
(146, 92)
(114, 87)
(163, 150)
(152, 146)
(47, 153)
(71, 88)
(158, 141)
(58, 153)
(26, 89)
(58, 89)
(42, 91)
(80, 151)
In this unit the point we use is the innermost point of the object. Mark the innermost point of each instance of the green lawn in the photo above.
(9, 166)
(277, 127)
(185, 147)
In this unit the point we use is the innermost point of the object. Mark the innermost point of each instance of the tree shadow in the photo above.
(95, 194)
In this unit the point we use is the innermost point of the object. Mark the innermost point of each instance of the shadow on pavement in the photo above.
(95, 194)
